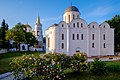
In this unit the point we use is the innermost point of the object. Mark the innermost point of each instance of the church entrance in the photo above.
(77, 49)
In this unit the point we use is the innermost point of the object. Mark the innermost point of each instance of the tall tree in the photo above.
(17, 34)
(115, 23)
(4, 28)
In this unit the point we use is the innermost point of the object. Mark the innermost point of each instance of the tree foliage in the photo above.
(3, 29)
(115, 23)
(20, 35)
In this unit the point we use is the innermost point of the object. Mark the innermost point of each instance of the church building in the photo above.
(74, 34)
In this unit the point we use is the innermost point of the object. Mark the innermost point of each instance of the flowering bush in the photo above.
(78, 62)
(47, 67)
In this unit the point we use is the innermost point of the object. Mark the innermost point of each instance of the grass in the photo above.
(88, 76)
(6, 58)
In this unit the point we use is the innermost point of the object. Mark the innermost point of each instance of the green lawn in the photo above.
(6, 58)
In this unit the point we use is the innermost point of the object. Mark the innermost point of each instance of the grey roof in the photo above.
(72, 8)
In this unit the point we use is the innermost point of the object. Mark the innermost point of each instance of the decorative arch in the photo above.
(105, 25)
(78, 49)
(93, 25)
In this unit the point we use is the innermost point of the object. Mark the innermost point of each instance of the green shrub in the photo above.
(98, 67)
(78, 62)
(113, 68)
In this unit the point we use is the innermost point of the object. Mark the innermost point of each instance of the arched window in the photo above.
(48, 42)
(62, 25)
(104, 26)
(77, 24)
(81, 25)
(62, 36)
(62, 46)
(65, 18)
(104, 37)
(38, 33)
(104, 45)
(73, 37)
(68, 18)
(77, 36)
(92, 36)
(81, 36)
(73, 24)
(77, 16)
(93, 46)
(23, 47)
(73, 16)
(93, 26)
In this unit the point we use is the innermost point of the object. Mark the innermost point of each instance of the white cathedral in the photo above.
(73, 34)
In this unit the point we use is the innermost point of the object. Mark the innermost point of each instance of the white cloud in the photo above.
(51, 19)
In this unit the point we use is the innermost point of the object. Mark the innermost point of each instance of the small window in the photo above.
(48, 42)
(93, 46)
(73, 37)
(68, 18)
(62, 46)
(81, 36)
(73, 24)
(38, 33)
(65, 18)
(77, 36)
(77, 16)
(81, 25)
(92, 36)
(77, 24)
(104, 26)
(62, 25)
(104, 37)
(104, 45)
(62, 36)
(93, 26)
(73, 16)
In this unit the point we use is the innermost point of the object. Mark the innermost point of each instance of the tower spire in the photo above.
(38, 20)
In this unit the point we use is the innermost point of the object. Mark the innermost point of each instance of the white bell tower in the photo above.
(38, 33)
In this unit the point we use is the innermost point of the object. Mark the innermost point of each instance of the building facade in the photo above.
(73, 34)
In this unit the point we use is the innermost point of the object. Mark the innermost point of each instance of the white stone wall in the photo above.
(71, 46)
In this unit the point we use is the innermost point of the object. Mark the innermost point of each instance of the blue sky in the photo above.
(51, 11)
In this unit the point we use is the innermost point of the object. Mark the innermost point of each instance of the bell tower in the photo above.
(38, 34)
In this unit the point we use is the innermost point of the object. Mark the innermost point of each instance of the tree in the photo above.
(4, 28)
(115, 23)
(20, 35)
(30, 39)
(17, 34)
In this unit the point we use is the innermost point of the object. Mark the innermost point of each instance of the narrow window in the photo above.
(104, 37)
(77, 16)
(81, 36)
(77, 36)
(62, 36)
(93, 46)
(81, 25)
(62, 25)
(73, 37)
(62, 46)
(73, 24)
(73, 16)
(92, 36)
(48, 42)
(68, 18)
(65, 18)
(77, 24)
(38, 33)
(104, 26)
(104, 45)
(93, 26)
